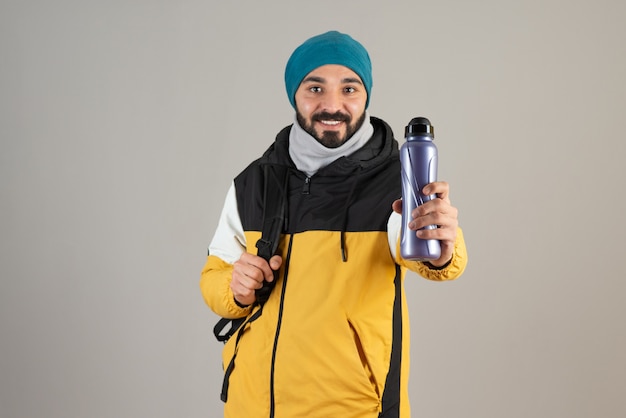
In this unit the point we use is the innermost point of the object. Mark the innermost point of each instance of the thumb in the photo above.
(275, 262)
(397, 206)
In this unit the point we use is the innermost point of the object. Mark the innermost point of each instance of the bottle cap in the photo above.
(419, 126)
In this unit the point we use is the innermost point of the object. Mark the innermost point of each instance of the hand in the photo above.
(248, 275)
(438, 212)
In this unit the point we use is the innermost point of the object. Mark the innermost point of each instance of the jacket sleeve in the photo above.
(226, 247)
(453, 270)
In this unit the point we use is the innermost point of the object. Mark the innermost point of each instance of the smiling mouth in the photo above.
(330, 122)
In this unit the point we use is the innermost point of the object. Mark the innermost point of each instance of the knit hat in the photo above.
(328, 48)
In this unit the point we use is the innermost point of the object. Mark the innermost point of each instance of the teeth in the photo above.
(331, 122)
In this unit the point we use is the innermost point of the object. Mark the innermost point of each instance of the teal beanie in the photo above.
(328, 48)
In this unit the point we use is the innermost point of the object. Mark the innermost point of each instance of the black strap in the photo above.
(231, 364)
(226, 327)
(274, 210)
(274, 220)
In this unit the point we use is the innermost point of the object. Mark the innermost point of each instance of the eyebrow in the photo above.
(315, 79)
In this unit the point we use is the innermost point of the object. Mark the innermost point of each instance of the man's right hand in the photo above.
(248, 275)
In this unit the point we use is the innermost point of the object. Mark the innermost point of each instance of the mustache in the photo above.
(337, 116)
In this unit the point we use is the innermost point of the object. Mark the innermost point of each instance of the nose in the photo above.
(332, 101)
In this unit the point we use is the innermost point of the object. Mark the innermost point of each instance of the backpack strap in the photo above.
(226, 327)
(231, 364)
(274, 220)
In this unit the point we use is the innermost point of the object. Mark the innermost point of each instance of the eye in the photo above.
(349, 90)
(315, 89)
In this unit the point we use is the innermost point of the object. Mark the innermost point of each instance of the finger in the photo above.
(243, 289)
(441, 234)
(439, 188)
(240, 289)
(438, 219)
(440, 214)
(243, 296)
(243, 279)
(397, 206)
(435, 212)
(275, 263)
(434, 206)
(256, 267)
(251, 282)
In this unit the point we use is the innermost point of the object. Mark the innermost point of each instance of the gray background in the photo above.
(123, 122)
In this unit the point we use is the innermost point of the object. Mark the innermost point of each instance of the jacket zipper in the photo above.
(278, 325)
(306, 189)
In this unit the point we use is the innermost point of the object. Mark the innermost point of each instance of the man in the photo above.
(332, 338)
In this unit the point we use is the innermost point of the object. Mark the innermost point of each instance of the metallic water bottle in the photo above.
(418, 158)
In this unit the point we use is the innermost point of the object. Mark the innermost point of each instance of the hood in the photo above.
(378, 151)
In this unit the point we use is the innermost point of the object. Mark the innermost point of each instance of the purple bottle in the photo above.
(418, 158)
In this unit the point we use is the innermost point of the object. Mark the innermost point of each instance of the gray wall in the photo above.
(123, 122)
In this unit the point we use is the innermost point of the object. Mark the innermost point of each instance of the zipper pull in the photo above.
(307, 186)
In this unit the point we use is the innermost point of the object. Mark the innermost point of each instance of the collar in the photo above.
(309, 155)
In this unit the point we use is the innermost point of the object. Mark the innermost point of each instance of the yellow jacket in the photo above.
(333, 338)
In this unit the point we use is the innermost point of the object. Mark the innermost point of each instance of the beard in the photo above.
(330, 139)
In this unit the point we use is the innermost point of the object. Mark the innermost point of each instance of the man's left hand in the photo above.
(437, 211)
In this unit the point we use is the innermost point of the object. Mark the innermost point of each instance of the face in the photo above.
(330, 104)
